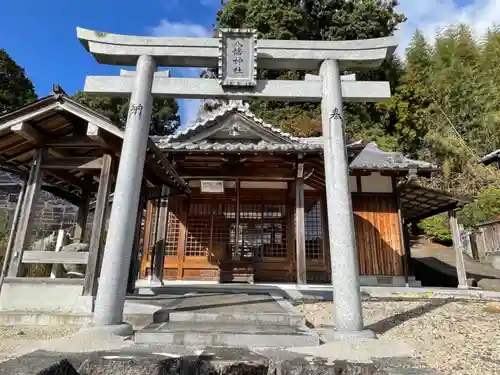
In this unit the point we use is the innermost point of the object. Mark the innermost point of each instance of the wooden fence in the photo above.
(485, 241)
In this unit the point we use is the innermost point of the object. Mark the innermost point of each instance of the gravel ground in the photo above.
(16, 339)
(452, 336)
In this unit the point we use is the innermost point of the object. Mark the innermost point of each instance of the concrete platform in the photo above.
(226, 334)
(137, 314)
(227, 319)
(241, 308)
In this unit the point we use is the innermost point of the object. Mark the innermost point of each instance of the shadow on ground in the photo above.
(391, 322)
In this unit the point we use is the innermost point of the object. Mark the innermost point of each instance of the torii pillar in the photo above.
(237, 56)
(111, 293)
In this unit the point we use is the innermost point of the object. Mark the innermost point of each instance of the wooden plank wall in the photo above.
(377, 234)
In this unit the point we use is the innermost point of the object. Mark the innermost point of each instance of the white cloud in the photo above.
(180, 29)
(188, 107)
(189, 111)
(432, 15)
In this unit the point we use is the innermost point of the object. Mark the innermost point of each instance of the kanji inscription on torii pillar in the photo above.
(237, 57)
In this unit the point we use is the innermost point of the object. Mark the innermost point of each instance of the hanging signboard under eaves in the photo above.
(212, 186)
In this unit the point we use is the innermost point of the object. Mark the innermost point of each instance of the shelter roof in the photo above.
(69, 129)
(234, 128)
(418, 202)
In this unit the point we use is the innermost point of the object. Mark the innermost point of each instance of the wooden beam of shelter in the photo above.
(243, 173)
(73, 142)
(28, 132)
(63, 193)
(27, 213)
(458, 246)
(77, 162)
(49, 257)
(98, 227)
(68, 178)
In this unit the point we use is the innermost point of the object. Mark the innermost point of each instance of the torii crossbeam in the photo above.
(237, 54)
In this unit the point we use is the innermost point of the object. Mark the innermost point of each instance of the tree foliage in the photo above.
(316, 20)
(447, 109)
(437, 227)
(16, 89)
(164, 120)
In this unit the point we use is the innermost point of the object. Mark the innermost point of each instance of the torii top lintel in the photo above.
(115, 49)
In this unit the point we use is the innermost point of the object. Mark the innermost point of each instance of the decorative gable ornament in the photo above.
(235, 130)
(237, 57)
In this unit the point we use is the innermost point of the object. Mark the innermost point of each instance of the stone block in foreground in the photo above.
(208, 361)
(40, 363)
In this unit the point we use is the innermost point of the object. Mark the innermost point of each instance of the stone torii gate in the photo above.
(237, 54)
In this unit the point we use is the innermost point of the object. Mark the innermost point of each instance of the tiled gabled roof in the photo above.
(373, 157)
(240, 146)
(212, 117)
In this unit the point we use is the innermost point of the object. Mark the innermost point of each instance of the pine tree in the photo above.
(16, 89)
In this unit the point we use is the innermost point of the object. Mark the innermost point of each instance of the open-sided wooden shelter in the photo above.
(63, 147)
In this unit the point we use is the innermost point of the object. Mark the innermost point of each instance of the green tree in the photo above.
(16, 88)
(405, 112)
(164, 120)
(446, 110)
(317, 20)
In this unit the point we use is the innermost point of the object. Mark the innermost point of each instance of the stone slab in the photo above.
(259, 309)
(236, 335)
(225, 303)
(162, 316)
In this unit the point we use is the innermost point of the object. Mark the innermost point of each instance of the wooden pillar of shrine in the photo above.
(98, 227)
(300, 235)
(23, 234)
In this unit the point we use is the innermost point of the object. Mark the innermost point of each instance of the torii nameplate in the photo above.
(237, 57)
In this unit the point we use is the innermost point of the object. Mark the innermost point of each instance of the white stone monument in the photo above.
(237, 54)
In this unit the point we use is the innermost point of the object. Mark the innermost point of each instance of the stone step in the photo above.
(279, 319)
(227, 334)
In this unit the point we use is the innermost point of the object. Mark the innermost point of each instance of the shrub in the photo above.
(437, 227)
(486, 207)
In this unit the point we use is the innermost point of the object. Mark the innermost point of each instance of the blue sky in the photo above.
(41, 35)
(42, 38)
